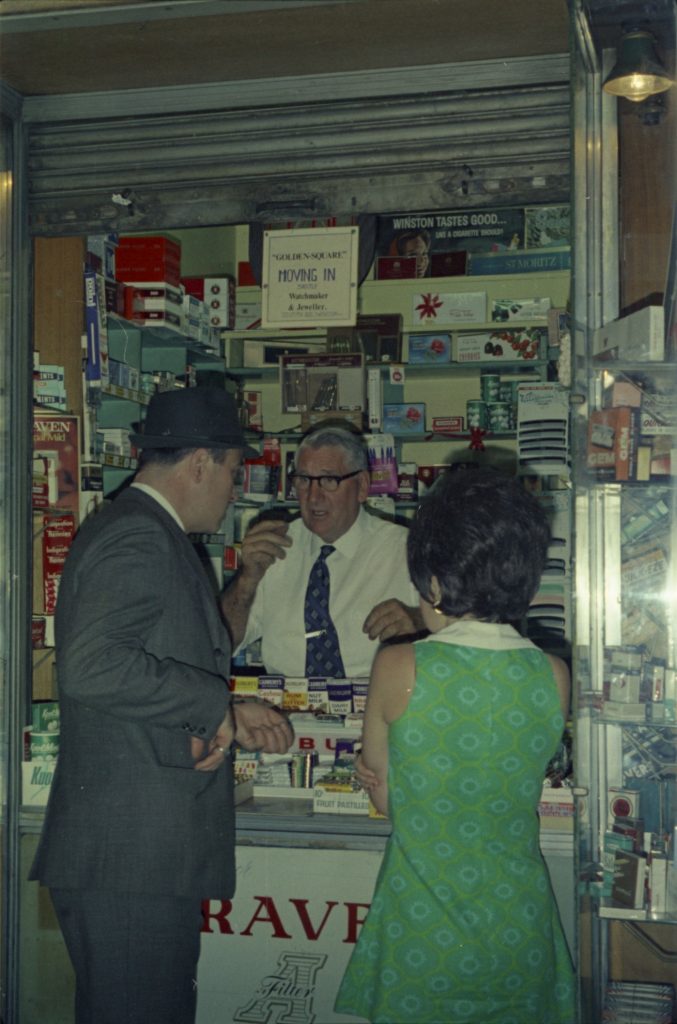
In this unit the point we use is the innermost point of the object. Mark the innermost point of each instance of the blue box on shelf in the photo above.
(404, 418)
(429, 349)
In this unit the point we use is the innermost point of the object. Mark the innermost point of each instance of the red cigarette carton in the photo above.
(389, 268)
(448, 264)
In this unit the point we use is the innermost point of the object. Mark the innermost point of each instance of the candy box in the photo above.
(429, 349)
(523, 344)
(404, 418)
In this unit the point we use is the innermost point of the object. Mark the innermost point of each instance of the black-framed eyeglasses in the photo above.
(302, 481)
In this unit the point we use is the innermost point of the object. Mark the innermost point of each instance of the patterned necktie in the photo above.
(323, 655)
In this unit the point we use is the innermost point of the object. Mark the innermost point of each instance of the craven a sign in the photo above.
(277, 952)
(310, 277)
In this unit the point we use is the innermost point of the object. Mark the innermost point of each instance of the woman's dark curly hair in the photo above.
(485, 538)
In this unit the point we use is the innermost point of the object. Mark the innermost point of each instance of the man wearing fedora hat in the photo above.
(139, 827)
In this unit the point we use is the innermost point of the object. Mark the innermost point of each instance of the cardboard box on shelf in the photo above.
(503, 310)
(141, 258)
(612, 441)
(429, 349)
(146, 273)
(556, 809)
(247, 315)
(432, 309)
(448, 264)
(448, 424)
(163, 298)
(639, 335)
(96, 330)
(512, 345)
(101, 249)
(404, 418)
(327, 383)
(159, 318)
(165, 245)
(390, 268)
(339, 798)
(218, 294)
(514, 261)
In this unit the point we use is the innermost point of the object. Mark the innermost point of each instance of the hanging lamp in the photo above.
(638, 73)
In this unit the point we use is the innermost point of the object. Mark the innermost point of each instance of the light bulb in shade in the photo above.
(638, 73)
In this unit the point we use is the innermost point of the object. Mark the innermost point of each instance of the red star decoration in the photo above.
(476, 442)
(428, 306)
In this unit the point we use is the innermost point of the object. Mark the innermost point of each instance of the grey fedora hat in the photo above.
(201, 417)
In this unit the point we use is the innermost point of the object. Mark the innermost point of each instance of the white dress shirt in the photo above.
(161, 500)
(369, 565)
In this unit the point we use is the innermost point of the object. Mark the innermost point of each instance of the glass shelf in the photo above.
(157, 336)
(607, 910)
(534, 368)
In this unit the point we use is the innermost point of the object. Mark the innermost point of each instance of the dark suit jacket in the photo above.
(142, 661)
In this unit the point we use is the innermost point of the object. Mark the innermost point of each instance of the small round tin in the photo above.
(476, 413)
(490, 387)
(500, 416)
(44, 746)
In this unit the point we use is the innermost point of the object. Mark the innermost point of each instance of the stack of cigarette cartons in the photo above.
(218, 295)
(155, 305)
(49, 385)
(145, 260)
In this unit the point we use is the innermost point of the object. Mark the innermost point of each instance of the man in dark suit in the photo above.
(139, 828)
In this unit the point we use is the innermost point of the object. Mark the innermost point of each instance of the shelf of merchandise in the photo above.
(444, 386)
(154, 336)
(402, 296)
(144, 348)
(626, 646)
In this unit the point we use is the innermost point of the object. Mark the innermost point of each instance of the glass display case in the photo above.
(624, 430)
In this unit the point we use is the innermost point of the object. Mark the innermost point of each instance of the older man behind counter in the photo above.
(371, 597)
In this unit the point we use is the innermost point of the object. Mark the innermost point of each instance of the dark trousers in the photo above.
(135, 957)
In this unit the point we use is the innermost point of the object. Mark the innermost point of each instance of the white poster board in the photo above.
(278, 952)
(309, 277)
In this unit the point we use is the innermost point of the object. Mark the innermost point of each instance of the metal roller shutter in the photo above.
(307, 147)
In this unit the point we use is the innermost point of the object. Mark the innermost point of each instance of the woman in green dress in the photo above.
(459, 728)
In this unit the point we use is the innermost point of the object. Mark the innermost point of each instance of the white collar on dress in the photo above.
(475, 633)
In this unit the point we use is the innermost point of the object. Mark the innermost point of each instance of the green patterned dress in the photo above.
(463, 927)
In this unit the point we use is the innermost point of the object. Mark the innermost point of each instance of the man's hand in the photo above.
(218, 747)
(392, 618)
(260, 726)
(262, 545)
